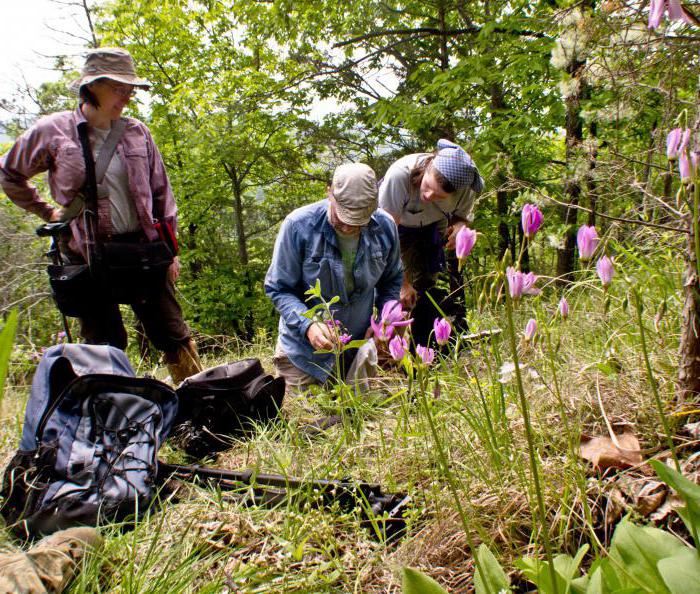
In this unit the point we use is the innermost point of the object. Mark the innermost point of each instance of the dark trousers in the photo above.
(423, 257)
(160, 315)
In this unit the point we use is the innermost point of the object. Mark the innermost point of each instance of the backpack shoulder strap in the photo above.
(108, 148)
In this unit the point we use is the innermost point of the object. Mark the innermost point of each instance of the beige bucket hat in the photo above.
(354, 188)
(109, 62)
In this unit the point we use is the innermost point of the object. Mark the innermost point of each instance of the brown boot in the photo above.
(49, 565)
(184, 362)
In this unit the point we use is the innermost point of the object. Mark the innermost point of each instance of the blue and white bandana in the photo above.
(456, 165)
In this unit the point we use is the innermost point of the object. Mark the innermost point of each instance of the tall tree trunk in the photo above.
(241, 239)
(574, 138)
(247, 322)
(591, 181)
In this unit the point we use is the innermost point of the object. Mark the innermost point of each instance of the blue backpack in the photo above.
(88, 453)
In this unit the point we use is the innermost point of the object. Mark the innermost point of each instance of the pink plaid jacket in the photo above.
(52, 145)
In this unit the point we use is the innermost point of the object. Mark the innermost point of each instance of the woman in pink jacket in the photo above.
(135, 197)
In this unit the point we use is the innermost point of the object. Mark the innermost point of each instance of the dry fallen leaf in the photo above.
(604, 454)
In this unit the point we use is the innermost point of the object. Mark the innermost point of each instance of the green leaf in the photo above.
(681, 573)
(688, 491)
(310, 313)
(565, 569)
(415, 582)
(494, 579)
(7, 339)
(355, 344)
(636, 551)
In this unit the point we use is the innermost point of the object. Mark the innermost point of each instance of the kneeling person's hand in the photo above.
(320, 336)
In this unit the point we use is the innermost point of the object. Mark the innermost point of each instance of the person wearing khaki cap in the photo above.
(130, 209)
(352, 249)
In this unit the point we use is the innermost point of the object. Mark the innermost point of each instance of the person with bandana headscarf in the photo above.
(431, 197)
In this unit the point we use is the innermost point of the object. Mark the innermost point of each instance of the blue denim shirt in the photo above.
(307, 249)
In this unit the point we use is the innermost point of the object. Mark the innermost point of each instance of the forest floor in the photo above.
(455, 443)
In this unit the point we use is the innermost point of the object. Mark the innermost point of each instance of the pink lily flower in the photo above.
(442, 330)
(398, 347)
(520, 284)
(531, 220)
(530, 329)
(563, 308)
(426, 354)
(673, 143)
(684, 167)
(605, 269)
(392, 317)
(587, 240)
(464, 242)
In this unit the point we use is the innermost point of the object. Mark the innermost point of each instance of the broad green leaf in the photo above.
(681, 573)
(7, 338)
(416, 582)
(494, 579)
(688, 491)
(636, 551)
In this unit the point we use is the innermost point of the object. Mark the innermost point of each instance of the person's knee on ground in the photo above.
(183, 362)
(296, 381)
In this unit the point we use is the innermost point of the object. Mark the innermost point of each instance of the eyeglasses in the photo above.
(121, 89)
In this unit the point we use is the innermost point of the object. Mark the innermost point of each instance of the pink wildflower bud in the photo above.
(398, 347)
(345, 338)
(530, 329)
(426, 354)
(563, 308)
(695, 162)
(605, 269)
(442, 330)
(673, 143)
(464, 243)
(531, 220)
(587, 240)
(684, 167)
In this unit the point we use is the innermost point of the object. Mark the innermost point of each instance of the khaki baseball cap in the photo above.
(354, 188)
(109, 62)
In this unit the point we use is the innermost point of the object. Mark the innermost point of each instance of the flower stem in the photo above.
(442, 457)
(652, 381)
(530, 442)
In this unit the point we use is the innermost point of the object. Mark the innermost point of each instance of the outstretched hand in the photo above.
(320, 336)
